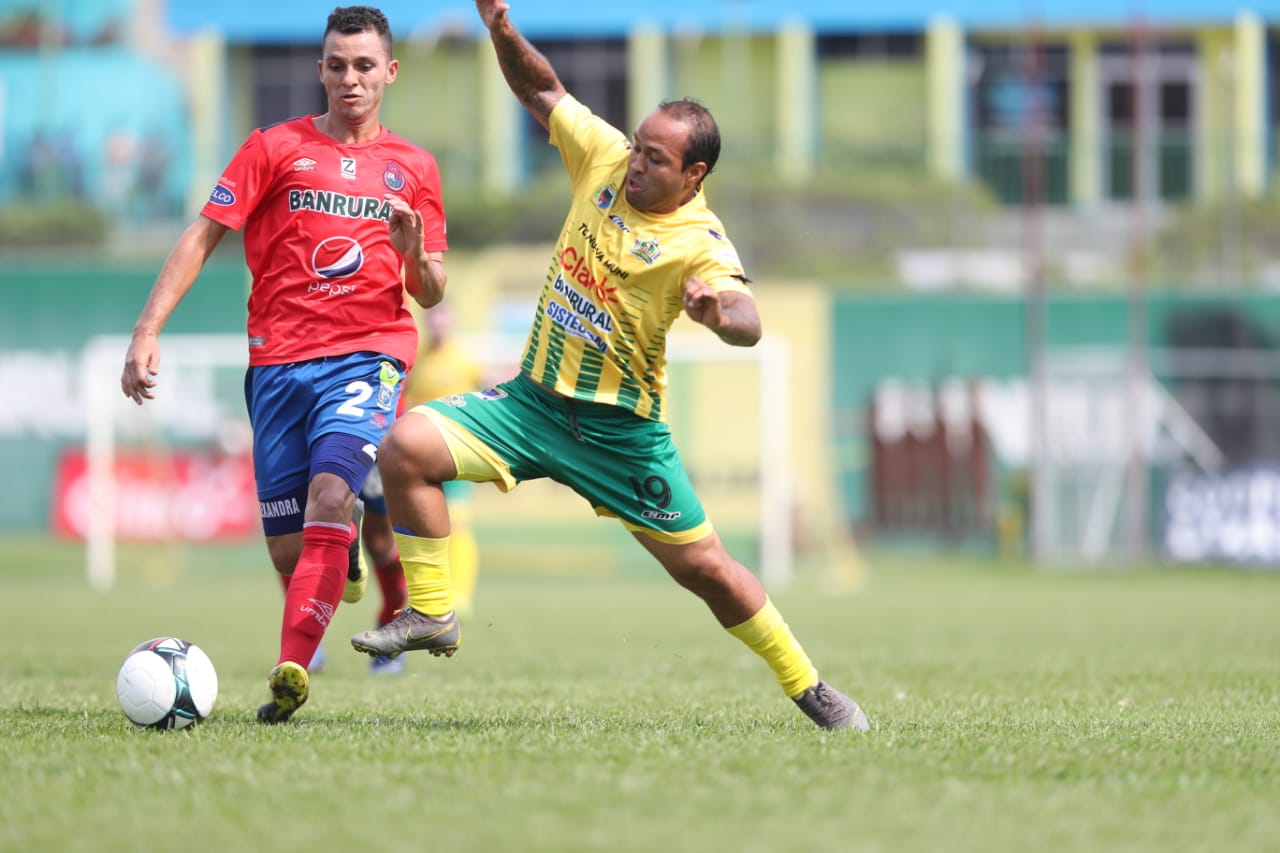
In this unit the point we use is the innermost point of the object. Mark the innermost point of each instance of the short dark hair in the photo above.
(704, 133)
(349, 20)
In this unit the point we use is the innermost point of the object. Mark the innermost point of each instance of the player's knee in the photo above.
(397, 446)
(330, 498)
(703, 567)
(414, 450)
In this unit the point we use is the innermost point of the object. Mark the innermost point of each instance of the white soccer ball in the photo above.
(167, 683)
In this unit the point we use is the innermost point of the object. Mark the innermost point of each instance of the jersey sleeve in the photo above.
(430, 203)
(241, 185)
(717, 263)
(582, 137)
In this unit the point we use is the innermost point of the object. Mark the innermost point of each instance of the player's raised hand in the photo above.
(732, 316)
(491, 11)
(405, 226)
(141, 365)
(702, 304)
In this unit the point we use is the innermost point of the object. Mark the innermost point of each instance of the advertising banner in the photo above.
(189, 495)
(1231, 516)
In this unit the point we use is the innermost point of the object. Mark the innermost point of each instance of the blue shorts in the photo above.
(293, 405)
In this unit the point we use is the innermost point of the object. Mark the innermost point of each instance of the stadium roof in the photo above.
(254, 21)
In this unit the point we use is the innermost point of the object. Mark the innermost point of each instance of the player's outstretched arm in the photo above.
(142, 360)
(731, 315)
(527, 71)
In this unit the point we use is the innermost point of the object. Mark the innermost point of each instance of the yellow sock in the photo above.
(767, 635)
(463, 566)
(426, 573)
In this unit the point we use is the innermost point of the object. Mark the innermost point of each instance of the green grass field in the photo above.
(1011, 710)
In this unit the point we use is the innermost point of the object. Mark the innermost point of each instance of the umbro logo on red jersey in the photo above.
(304, 164)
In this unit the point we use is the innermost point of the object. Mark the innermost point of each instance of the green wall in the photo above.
(51, 309)
(930, 338)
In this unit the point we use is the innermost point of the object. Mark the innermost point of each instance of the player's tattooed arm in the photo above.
(526, 70)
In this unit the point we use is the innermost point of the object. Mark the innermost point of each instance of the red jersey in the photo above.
(326, 278)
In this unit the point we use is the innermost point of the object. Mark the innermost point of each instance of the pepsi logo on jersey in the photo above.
(337, 257)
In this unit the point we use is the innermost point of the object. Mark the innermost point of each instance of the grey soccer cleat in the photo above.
(831, 709)
(411, 631)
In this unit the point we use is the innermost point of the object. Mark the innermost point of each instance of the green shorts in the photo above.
(625, 466)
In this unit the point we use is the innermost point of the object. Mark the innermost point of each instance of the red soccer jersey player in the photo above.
(325, 278)
(340, 219)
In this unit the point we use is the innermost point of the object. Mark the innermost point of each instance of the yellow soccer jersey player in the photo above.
(616, 278)
(638, 248)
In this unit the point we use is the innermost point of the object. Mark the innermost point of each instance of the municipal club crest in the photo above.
(646, 250)
(605, 197)
(393, 177)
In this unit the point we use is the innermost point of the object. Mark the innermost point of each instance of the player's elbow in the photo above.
(747, 336)
(743, 328)
(430, 297)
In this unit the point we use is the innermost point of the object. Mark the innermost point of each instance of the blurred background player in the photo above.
(340, 217)
(639, 247)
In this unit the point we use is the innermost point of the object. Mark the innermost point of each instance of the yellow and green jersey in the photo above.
(616, 280)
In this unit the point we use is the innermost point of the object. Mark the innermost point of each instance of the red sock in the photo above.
(395, 594)
(314, 591)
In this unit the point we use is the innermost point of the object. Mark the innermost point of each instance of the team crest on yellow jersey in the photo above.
(605, 197)
(646, 250)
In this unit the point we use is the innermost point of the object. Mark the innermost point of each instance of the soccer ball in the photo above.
(167, 683)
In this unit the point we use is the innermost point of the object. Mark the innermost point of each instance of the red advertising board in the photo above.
(193, 495)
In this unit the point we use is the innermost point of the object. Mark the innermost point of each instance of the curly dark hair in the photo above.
(704, 133)
(349, 20)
